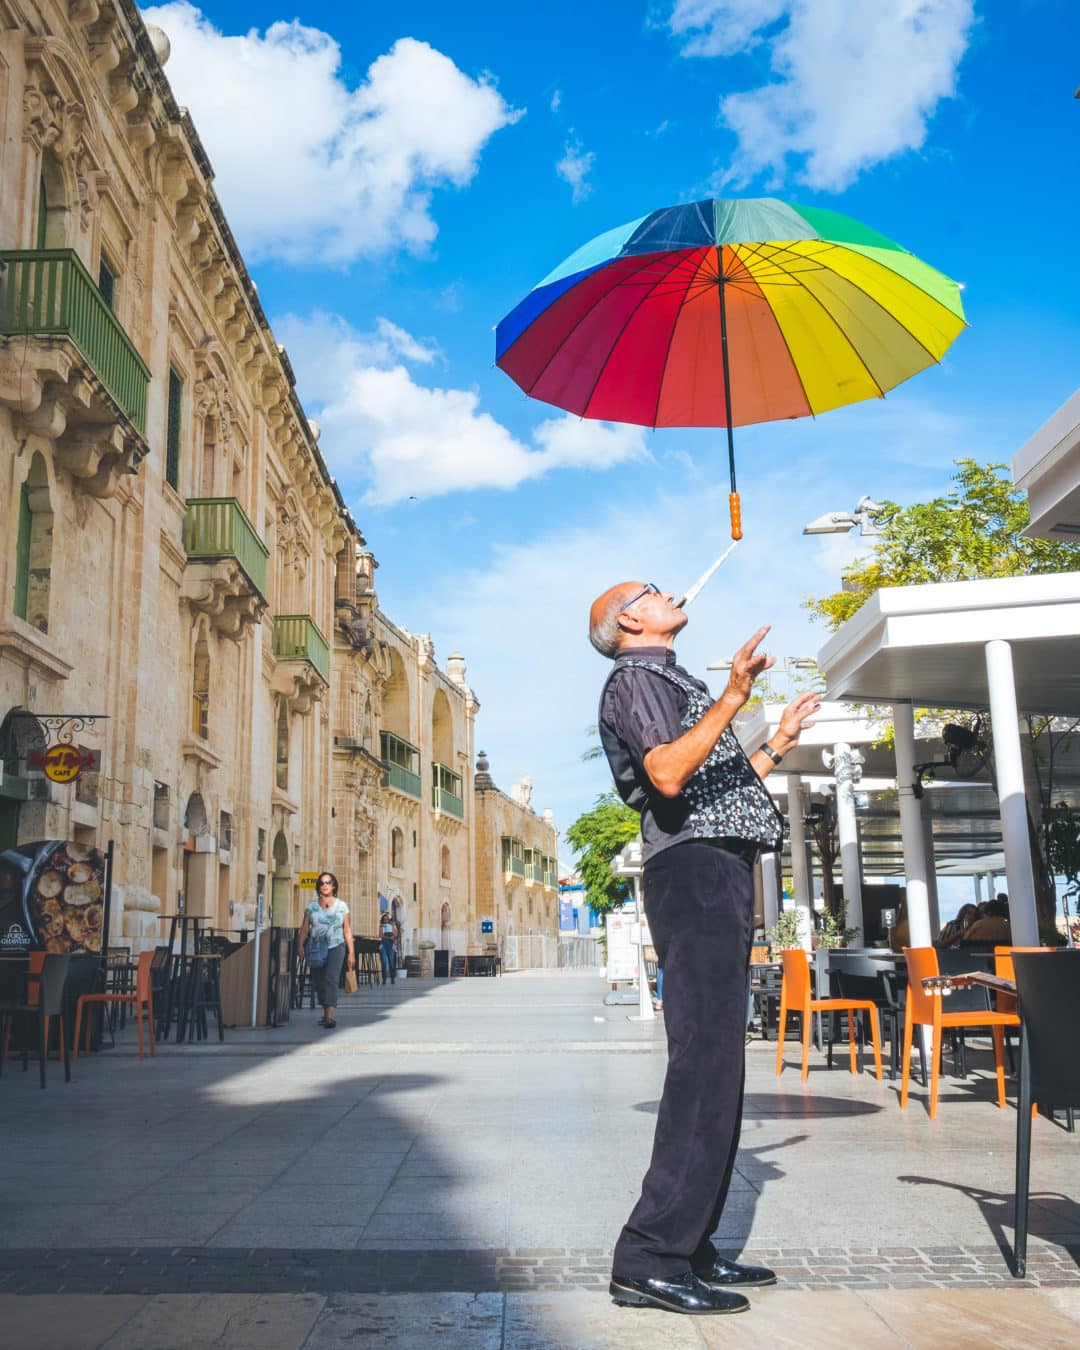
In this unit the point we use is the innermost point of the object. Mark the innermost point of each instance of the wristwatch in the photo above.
(767, 749)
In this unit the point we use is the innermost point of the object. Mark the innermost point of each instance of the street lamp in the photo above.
(840, 522)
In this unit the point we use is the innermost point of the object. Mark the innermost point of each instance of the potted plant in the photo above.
(784, 932)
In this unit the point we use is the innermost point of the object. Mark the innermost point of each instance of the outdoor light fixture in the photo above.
(840, 522)
(966, 752)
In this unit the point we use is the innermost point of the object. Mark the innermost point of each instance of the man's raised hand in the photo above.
(796, 717)
(746, 665)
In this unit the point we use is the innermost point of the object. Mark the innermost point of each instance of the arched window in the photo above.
(444, 864)
(200, 690)
(366, 725)
(209, 456)
(397, 849)
(51, 229)
(282, 746)
(33, 550)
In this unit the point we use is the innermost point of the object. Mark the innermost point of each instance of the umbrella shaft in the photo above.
(727, 377)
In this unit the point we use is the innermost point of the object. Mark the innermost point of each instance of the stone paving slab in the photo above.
(779, 1319)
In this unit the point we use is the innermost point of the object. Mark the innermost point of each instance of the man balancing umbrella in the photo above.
(713, 314)
(722, 313)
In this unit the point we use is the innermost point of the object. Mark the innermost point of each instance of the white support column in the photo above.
(931, 868)
(800, 871)
(911, 828)
(977, 879)
(846, 765)
(1009, 769)
(770, 887)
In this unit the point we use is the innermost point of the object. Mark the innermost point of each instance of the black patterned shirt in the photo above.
(641, 708)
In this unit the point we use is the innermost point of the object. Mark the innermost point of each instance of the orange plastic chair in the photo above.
(924, 1010)
(795, 997)
(142, 999)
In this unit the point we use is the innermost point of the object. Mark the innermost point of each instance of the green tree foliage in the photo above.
(598, 835)
(974, 530)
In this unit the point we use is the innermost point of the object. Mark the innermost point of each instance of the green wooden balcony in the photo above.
(216, 527)
(534, 872)
(48, 292)
(296, 638)
(446, 791)
(403, 762)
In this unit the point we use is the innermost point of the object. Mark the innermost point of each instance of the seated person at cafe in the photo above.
(900, 932)
(992, 925)
(956, 929)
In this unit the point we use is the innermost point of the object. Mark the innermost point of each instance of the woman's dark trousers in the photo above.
(699, 901)
(388, 960)
(328, 977)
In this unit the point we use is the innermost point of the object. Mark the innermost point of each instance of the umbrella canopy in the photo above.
(721, 313)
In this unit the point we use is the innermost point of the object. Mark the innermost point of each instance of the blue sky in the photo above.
(400, 176)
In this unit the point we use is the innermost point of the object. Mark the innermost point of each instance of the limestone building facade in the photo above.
(176, 559)
(516, 863)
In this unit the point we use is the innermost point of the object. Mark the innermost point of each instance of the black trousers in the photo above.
(700, 904)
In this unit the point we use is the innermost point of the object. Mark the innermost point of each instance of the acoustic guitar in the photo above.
(945, 984)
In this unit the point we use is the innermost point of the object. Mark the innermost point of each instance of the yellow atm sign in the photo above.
(308, 879)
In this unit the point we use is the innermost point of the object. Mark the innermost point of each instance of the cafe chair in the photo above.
(1003, 966)
(1048, 987)
(923, 1009)
(141, 1001)
(795, 997)
(42, 1001)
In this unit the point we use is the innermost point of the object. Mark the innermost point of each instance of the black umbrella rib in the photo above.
(578, 322)
(679, 256)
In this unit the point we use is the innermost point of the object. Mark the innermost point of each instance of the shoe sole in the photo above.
(737, 1286)
(630, 1298)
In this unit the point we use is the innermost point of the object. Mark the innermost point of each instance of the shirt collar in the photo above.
(660, 656)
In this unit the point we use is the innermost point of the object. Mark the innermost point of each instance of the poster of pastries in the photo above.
(62, 887)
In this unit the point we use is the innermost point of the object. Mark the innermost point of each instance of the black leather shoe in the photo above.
(725, 1274)
(687, 1294)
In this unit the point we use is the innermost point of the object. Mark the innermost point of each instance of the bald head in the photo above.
(604, 631)
(634, 614)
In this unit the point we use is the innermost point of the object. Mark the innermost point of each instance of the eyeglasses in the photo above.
(324, 881)
(650, 588)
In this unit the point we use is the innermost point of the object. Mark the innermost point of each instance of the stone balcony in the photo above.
(302, 656)
(225, 574)
(68, 369)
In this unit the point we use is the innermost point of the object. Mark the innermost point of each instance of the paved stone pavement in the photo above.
(459, 1156)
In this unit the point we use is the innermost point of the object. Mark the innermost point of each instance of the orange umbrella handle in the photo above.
(736, 515)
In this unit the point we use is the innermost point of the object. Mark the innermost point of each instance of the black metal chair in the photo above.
(48, 1004)
(1048, 986)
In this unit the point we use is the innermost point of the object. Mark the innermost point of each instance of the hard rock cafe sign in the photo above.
(64, 759)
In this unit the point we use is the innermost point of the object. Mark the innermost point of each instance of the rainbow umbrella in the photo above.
(722, 313)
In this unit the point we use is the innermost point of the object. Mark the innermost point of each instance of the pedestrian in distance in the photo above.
(327, 943)
(388, 933)
(705, 818)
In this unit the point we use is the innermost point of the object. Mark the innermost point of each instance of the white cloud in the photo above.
(574, 168)
(309, 169)
(406, 439)
(556, 100)
(722, 27)
(855, 84)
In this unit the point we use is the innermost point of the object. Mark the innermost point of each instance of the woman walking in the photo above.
(327, 942)
(388, 931)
